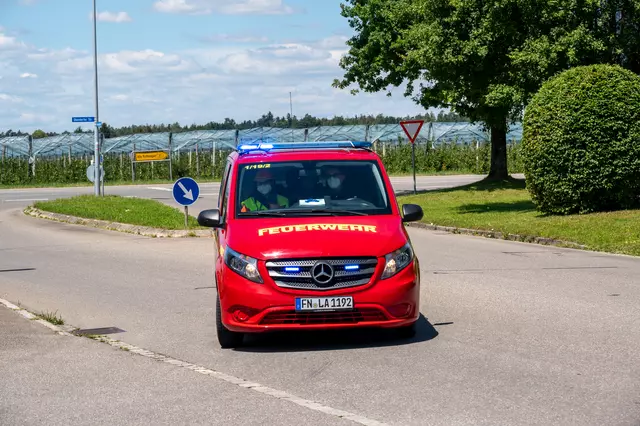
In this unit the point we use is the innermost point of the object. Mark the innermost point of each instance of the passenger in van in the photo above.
(264, 195)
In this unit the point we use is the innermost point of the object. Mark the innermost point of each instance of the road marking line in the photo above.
(26, 199)
(257, 387)
(157, 188)
(28, 315)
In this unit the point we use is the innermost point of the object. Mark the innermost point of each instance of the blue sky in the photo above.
(161, 61)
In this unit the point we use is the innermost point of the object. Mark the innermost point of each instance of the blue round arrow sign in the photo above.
(186, 191)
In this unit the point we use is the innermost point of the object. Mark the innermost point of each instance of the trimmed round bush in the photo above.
(581, 141)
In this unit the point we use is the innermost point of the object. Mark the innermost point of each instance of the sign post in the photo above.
(96, 178)
(186, 192)
(412, 130)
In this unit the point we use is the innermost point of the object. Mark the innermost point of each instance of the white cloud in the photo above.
(175, 6)
(107, 16)
(334, 42)
(235, 38)
(120, 97)
(36, 120)
(226, 7)
(9, 98)
(9, 43)
(193, 86)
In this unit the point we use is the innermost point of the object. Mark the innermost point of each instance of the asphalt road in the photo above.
(55, 380)
(512, 333)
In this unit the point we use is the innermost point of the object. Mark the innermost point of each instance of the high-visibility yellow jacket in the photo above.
(251, 204)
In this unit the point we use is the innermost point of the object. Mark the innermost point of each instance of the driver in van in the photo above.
(264, 195)
(335, 181)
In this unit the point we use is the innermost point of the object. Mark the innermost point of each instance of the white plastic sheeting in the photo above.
(82, 143)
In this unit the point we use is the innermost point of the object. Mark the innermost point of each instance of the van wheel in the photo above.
(228, 339)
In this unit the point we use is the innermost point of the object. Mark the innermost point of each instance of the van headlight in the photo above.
(396, 261)
(242, 264)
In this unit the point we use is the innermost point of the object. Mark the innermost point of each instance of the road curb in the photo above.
(63, 330)
(119, 227)
(500, 235)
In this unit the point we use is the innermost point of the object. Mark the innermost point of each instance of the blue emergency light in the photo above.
(243, 149)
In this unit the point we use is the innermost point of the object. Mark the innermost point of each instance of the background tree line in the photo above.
(266, 120)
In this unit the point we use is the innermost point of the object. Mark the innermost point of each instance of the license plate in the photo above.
(324, 303)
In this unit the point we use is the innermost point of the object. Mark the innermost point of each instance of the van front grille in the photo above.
(322, 274)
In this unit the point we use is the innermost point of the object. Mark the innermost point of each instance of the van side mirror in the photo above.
(209, 218)
(411, 213)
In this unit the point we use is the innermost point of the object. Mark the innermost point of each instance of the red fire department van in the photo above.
(309, 235)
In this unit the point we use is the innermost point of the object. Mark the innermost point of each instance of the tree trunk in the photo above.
(498, 169)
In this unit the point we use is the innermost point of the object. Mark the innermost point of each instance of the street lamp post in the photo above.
(96, 169)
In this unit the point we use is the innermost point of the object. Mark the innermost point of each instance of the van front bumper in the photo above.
(250, 307)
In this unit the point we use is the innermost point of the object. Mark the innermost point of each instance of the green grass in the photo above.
(135, 211)
(51, 317)
(507, 207)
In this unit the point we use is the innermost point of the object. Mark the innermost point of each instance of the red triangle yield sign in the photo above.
(412, 128)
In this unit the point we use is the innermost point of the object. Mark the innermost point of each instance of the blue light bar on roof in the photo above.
(303, 145)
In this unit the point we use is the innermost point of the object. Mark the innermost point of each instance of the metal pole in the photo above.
(170, 155)
(104, 178)
(133, 164)
(96, 180)
(413, 160)
(213, 159)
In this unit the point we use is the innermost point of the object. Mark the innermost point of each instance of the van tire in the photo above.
(228, 339)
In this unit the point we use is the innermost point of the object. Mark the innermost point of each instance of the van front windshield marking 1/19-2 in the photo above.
(305, 188)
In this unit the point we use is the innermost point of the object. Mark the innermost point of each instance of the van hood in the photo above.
(318, 236)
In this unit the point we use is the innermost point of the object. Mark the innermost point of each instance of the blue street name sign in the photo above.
(83, 119)
(186, 191)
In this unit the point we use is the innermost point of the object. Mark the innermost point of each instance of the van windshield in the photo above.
(291, 188)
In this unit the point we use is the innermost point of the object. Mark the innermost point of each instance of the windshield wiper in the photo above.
(286, 212)
(264, 213)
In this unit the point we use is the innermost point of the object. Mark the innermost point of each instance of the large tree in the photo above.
(484, 59)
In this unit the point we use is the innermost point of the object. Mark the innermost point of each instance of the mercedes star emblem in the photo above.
(322, 273)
